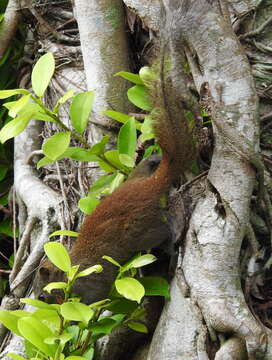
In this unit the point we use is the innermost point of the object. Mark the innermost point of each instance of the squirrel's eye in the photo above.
(41, 297)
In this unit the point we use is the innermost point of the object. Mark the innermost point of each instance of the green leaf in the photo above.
(99, 148)
(135, 78)
(50, 318)
(62, 339)
(127, 139)
(155, 286)
(4, 94)
(74, 153)
(113, 157)
(122, 118)
(127, 160)
(104, 326)
(6, 227)
(42, 73)
(37, 303)
(35, 332)
(15, 356)
(93, 269)
(130, 288)
(3, 172)
(74, 357)
(80, 110)
(10, 321)
(44, 161)
(147, 75)
(136, 326)
(76, 312)
(147, 128)
(119, 179)
(64, 232)
(143, 260)
(100, 304)
(88, 204)
(124, 306)
(15, 127)
(58, 255)
(55, 285)
(102, 182)
(19, 105)
(68, 95)
(139, 97)
(56, 145)
(79, 154)
(111, 260)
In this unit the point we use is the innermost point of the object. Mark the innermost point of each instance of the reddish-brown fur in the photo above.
(129, 220)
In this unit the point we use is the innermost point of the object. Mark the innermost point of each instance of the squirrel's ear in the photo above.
(44, 273)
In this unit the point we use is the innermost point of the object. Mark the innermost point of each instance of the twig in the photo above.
(257, 31)
(62, 192)
(32, 155)
(266, 116)
(5, 210)
(138, 116)
(14, 222)
(5, 271)
(190, 182)
(23, 244)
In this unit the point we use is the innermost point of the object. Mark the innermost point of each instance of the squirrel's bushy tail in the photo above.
(171, 126)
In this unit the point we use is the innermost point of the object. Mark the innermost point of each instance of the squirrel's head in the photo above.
(46, 274)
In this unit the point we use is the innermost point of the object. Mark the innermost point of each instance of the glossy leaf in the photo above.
(155, 286)
(50, 318)
(130, 288)
(15, 127)
(3, 172)
(35, 332)
(64, 233)
(122, 306)
(99, 148)
(56, 145)
(62, 339)
(127, 140)
(55, 285)
(135, 78)
(90, 270)
(4, 94)
(19, 105)
(137, 326)
(42, 73)
(58, 255)
(37, 303)
(118, 180)
(80, 110)
(111, 260)
(76, 312)
(143, 260)
(88, 204)
(139, 97)
(102, 182)
(15, 356)
(10, 321)
(104, 326)
(68, 95)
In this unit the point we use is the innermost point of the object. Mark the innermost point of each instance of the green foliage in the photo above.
(80, 110)
(42, 74)
(49, 332)
(118, 163)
